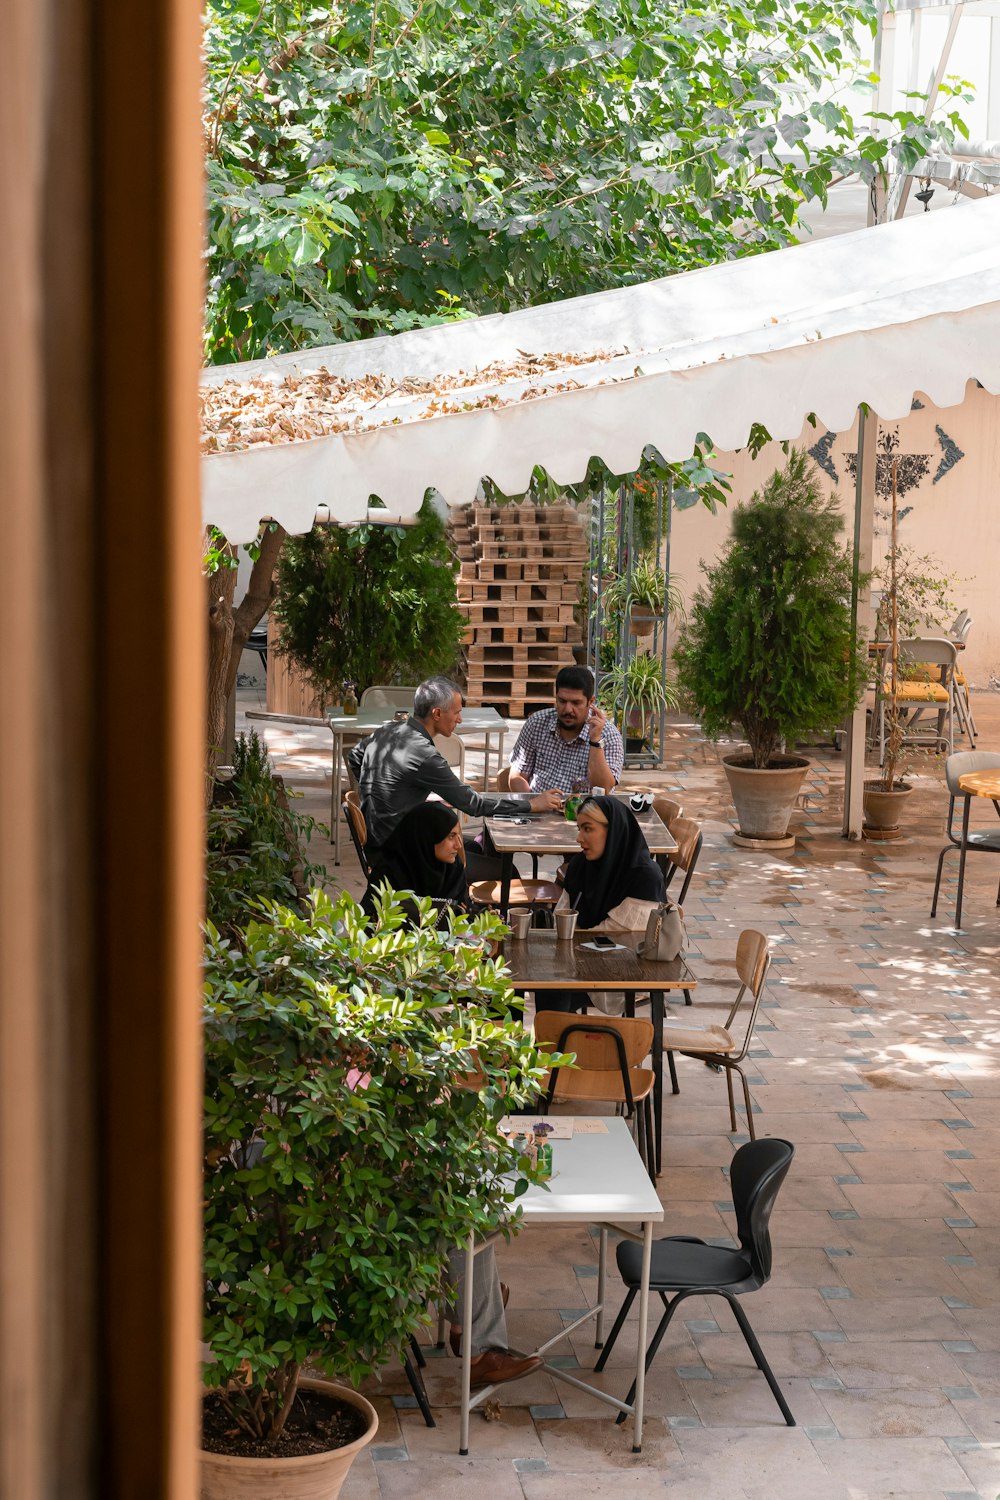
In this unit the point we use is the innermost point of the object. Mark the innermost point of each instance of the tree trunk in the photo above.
(228, 630)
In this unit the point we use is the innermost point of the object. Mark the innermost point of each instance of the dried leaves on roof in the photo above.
(240, 414)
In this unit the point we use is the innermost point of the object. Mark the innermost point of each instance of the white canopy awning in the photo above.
(873, 316)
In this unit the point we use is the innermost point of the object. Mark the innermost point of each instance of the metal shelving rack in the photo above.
(613, 546)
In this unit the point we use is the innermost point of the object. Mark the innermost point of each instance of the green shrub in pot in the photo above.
(343, 1156)
(767, 646)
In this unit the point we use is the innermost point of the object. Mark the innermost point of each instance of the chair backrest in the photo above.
(687, 833)
(688, 836)
(962, 634)
(666, 809)
(388, 695)
(503, 779)
(936, 650)
(593, 1039)
(758, 1169)
(453, 750)
(964, 762)
(753, 959)
(957, 625)
(358, 827)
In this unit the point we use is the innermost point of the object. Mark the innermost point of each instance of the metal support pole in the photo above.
(861, 601)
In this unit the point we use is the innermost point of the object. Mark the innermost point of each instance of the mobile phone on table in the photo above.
(600, 941)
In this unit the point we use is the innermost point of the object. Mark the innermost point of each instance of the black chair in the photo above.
(979, 841)
(692, 1268)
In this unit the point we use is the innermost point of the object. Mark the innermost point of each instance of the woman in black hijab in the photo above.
(423, 854)
(614, 866)
(613, 885)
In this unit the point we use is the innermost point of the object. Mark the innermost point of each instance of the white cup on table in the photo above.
(565, 925)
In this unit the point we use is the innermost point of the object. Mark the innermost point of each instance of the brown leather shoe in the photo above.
(455, 1332)
(497, 1366)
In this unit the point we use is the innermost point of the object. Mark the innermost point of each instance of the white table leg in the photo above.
(640, 1368)
(470, 1264)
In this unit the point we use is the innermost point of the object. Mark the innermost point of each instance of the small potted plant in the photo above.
(768, 645)
(637, 691)
(345, 1152)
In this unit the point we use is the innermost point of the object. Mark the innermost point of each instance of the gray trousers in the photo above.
(489, 1326)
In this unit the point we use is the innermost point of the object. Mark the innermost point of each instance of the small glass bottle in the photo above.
(579, 789)
(350, 699)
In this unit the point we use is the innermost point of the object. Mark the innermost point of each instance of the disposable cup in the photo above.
(519, 922)
(565, 925)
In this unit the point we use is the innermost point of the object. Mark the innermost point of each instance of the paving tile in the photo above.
(928, 1463)
(446, 1476)
(896, 1414)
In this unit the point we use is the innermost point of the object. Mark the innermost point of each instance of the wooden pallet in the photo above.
(519, 586)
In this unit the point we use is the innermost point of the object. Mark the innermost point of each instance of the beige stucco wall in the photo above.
(956, 519)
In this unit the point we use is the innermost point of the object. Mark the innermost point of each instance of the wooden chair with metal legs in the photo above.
(978, 841)
(716, 1045)
(689, 839)
(666, 808)
(358, 829)
(610, 1053)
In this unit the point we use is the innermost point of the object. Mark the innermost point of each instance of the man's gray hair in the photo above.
(436, 692)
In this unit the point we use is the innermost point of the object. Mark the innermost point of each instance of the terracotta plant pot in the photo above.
(317, 1476)
(764, 799)
(641, 622)
(883, 809)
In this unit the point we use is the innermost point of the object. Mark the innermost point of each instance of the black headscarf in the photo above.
(626, 868)
(407, 860)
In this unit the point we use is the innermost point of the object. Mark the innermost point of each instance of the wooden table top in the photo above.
(981, 783)
(541, 962)
(552, 833)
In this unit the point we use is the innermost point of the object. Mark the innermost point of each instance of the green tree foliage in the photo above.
(376, 165)
(344, 1151)
(767, 644)
(365, 603)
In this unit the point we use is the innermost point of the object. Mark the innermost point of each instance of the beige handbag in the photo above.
(666, 937)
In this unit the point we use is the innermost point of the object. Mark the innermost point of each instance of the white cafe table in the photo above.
(596, 1179)
(484, 721)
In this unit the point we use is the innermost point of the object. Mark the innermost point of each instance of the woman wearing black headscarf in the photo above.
(423, 854)
(613, 884)
(614, 875)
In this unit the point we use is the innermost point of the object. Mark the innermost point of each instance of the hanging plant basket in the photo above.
(641, 622)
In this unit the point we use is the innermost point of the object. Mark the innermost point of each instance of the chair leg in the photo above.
(647, 1109)
(619, 1324)
(417, 1352)
(761, 1362)
(937, 879)
(732, 1101)
(418, 1388)
(675, 1087)
(657, 1340)
(747, 1101)
(687, 997)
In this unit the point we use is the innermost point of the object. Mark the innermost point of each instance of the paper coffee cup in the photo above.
(565, 925)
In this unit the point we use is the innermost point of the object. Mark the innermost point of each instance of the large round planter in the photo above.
(317, 1476)
(883, 809)
(764, 799)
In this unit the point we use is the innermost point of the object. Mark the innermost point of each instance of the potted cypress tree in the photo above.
(344, 1154)
(768, 647)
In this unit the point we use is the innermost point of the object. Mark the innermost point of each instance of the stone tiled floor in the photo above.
(877, 1056)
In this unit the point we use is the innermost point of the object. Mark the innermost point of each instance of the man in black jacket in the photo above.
(398, 767)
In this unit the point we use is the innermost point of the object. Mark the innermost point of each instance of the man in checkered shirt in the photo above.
(571, 742)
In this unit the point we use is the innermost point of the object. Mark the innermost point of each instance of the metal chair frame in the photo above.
(962, 763)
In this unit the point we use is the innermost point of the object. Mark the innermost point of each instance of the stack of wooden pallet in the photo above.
(521, 568)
